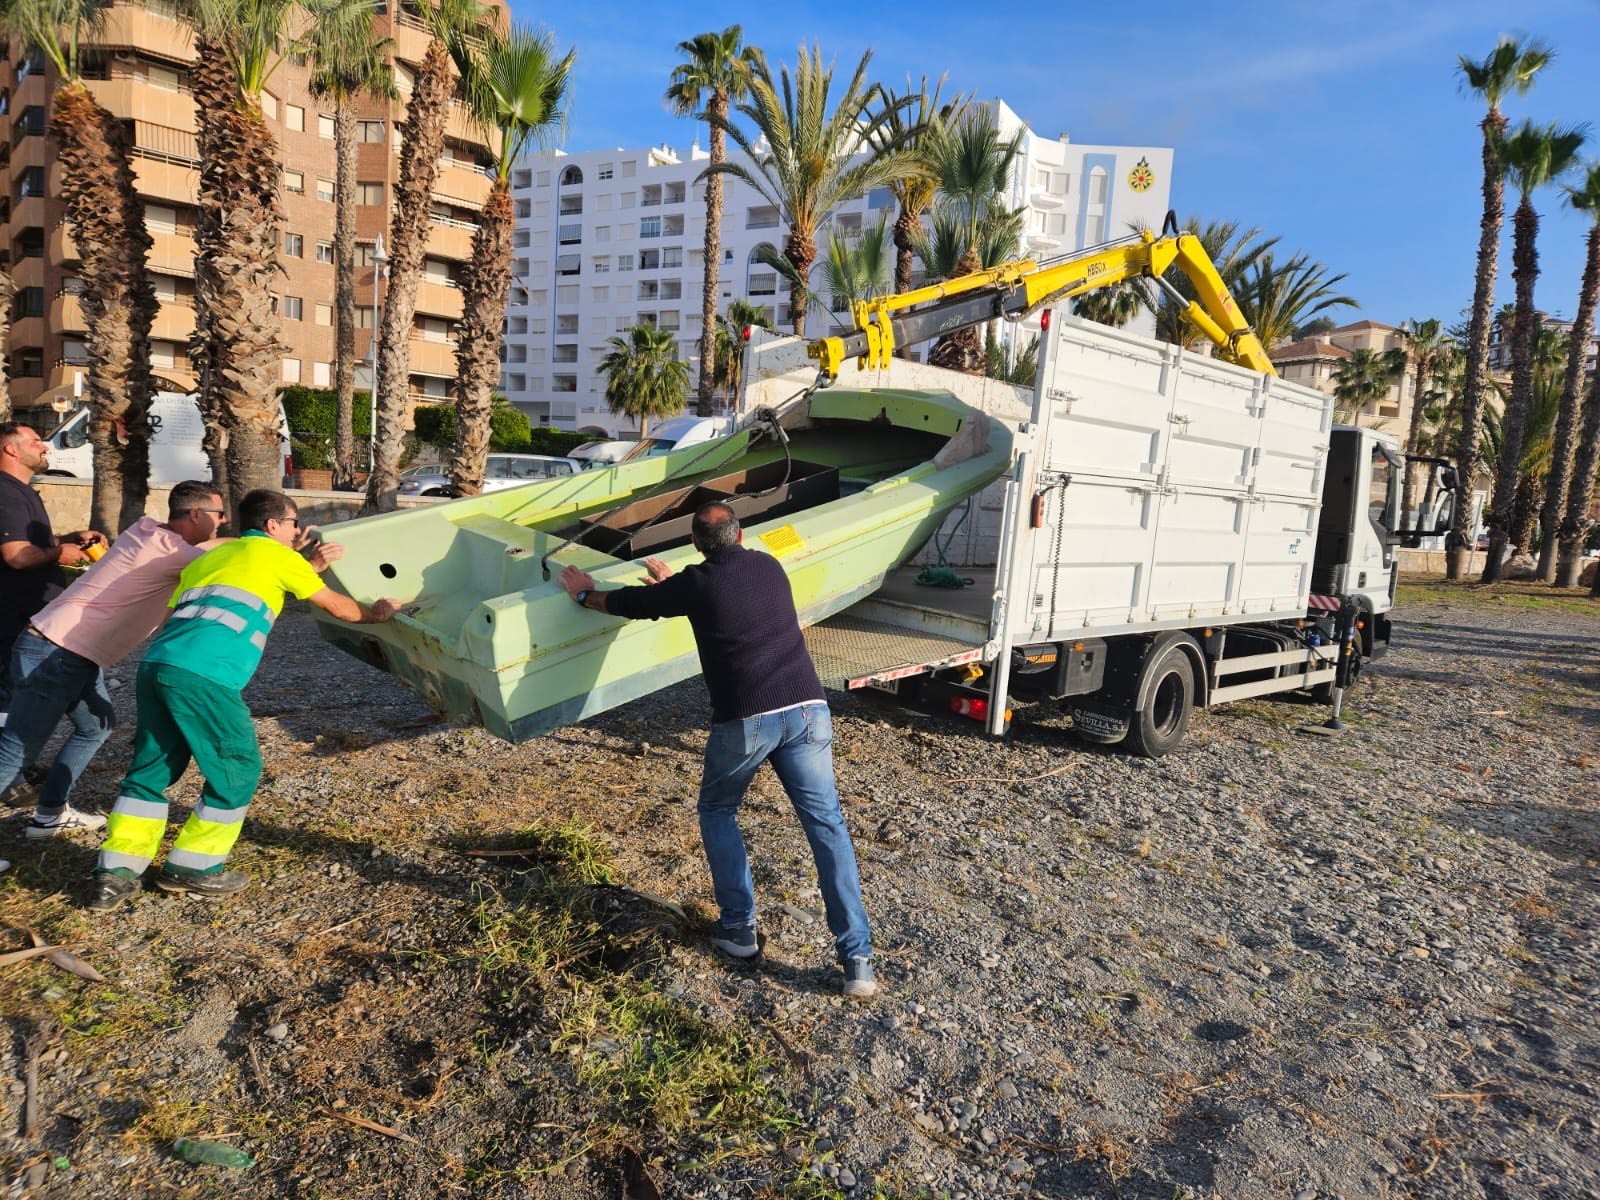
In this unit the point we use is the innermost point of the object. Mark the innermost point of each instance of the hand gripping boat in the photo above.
(841, 486)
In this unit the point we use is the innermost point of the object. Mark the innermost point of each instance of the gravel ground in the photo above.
(1268, 965)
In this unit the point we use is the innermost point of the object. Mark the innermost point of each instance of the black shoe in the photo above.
(218, 883)
(107, 889)
(21, 794)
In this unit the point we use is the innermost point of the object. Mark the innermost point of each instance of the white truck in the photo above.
(1176, 531)
(176, 434)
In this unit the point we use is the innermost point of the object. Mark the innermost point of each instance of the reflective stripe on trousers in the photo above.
(135, 827)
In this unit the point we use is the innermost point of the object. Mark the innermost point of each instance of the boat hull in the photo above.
(488, 635)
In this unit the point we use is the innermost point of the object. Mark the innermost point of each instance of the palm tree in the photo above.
(1424, 344)
(715, 73)
(346, 62)
(644, 376)
(921, 124)
(107, 219)
(813, 159)
(741, 315)
(1276, 300)
(1234, 252)
(1538, 433)
(517, 86)
(1580, 485)
(434, 85)
(1113, 306)
(1509, 68)
(237, 354)
(1365, 378)
(857, 268)
(1535, 155)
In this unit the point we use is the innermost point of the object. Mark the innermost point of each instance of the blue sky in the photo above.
(1350, 139)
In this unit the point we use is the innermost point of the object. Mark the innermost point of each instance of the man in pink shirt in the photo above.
(59, 660)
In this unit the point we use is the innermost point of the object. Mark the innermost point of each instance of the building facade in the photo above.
(139, 71)
(608, 239)
(1314, 361)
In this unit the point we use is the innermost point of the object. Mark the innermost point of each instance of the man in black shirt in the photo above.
(31, 556)
(767, 705)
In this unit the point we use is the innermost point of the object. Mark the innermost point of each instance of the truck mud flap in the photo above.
(1099, 724)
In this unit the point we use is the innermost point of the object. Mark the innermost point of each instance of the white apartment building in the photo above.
(608, 239)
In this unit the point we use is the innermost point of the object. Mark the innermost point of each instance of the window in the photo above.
(1097, 187)
(32, 182)
(322, 314)
(624, 262)
(163, 353)
(1094, 231)
(762, 217)
(1061, 181)
(435, 329)
(364, 316)
(602, 265)
(29, 302)
(605, 172)
(522, 179)
(602, 203)
(602, 294)
(30, 364)
(294, 245)
(269, 106)
(628, 169)
(650, 227)
(291, 370)
(1041, 179)
(325, 190)
(294, 181)
(627, 200)
(324, 252)
(159, 218)
(369, 193)
(370, 131)
(325, 127)
(543, 179)
(880, 198)
(363, 254)
(293, 308)
(602, 233)
(166, 288)
(524, 209)
(164, 78)
(294, 117)
(321, 374)
(567, 293)
(672, 256)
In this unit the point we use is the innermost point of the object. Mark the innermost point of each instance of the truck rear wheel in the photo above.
(1166, 701)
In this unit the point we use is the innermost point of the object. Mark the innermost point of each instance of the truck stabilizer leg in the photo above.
(1347, 652)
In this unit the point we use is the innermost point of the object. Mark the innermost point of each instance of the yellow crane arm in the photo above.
(1016, 289)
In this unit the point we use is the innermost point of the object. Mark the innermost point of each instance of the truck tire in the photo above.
(1166, 701)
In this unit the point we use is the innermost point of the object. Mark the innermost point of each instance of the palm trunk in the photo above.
(717, 110)
(906, 226)
(1524, 508)
(801, 250)
(118, 300)
(8, 289)
(344, 294)
(1575, 525)
(427, 113)
(961, 350)
(1525, 270)
(1468, 452)
(1560, 479)
(483, 297)
(1413, 436)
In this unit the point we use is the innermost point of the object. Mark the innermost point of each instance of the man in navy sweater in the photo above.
(767, 705)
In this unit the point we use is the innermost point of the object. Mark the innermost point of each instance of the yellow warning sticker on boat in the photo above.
(782, 541)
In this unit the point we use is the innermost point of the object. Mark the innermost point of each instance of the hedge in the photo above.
(313, 415)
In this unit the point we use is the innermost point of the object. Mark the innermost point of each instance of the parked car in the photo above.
(501, 471)
(678, 432)
(602, 454)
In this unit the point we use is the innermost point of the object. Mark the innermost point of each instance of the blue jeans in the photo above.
(48, 683)
(799, 744)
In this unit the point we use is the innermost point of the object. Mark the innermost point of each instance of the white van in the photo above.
(678, 432)
(176, 449)
(601, 454)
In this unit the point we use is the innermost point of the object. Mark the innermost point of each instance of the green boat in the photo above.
(841, 486)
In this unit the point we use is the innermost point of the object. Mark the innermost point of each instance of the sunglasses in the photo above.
(216, 512)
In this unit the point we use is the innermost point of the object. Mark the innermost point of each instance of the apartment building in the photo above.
(607, 239)
(1500, 345)
(139, 71)
(1313, 362)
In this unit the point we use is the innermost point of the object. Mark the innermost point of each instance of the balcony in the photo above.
(568, 235)
(59, 247)
(439, 300)
(432, 358)
(135, 100)
(141, 25)
(174, 322)
(450, 238)
(411, 38)
(571, 206)
(25, 332)
(172, 254)
(66, 315)
(28, 213)
(166, 180)
(462, 184)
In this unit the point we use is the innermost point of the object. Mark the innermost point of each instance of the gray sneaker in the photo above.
(68, 820)
(859, 979)
(741, 942)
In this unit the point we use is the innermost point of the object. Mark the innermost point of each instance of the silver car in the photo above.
(501, 471)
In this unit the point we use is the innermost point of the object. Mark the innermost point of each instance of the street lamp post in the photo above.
(380, 272)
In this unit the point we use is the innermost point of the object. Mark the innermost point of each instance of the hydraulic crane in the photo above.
(1015, 289)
